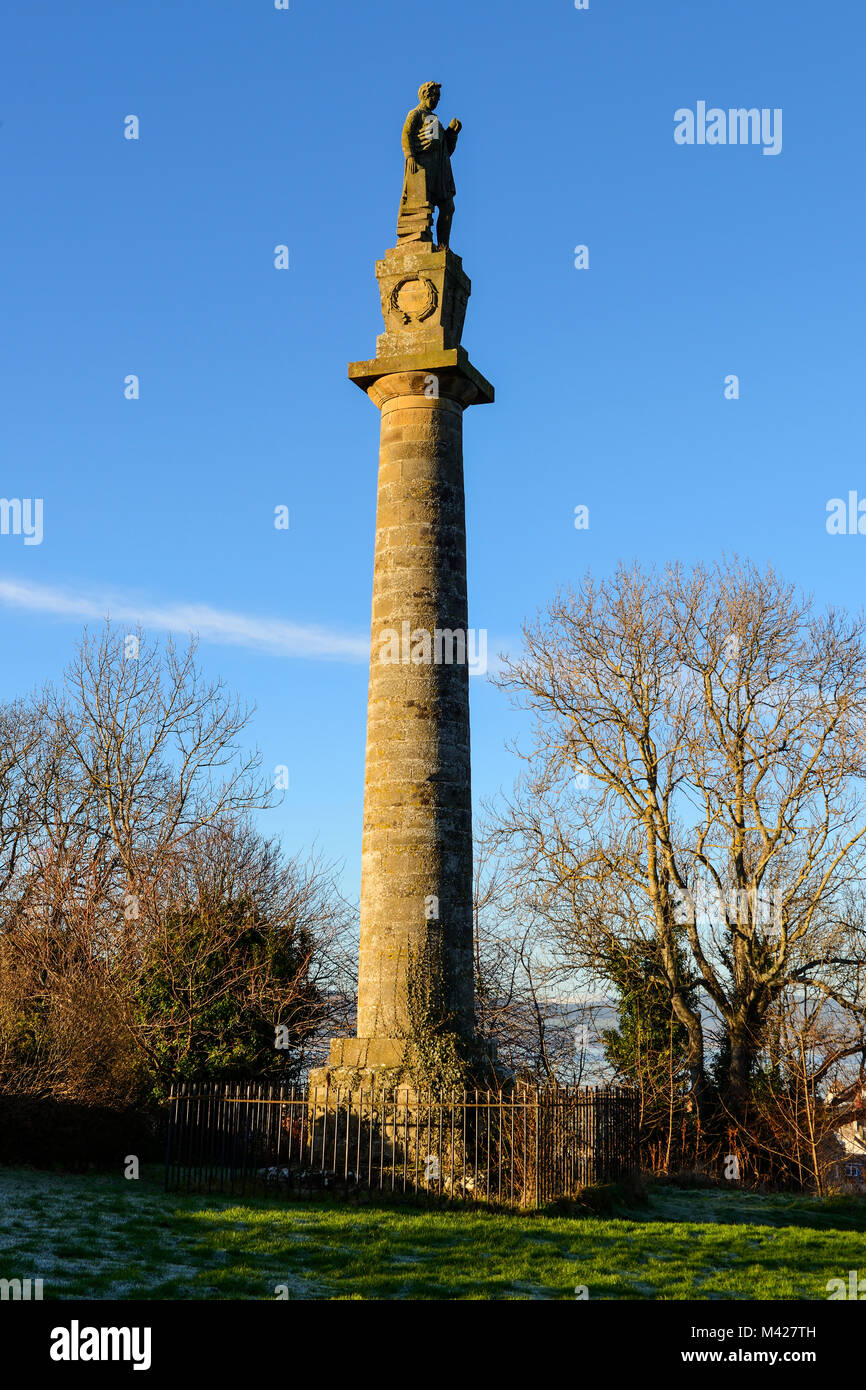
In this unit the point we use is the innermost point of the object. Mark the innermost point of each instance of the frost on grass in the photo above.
(102, 1237)
(300, 1288)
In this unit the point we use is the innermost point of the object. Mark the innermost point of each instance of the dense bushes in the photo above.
(148, 930)
(49, 1133)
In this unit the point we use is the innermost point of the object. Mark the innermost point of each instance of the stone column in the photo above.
(416, 888)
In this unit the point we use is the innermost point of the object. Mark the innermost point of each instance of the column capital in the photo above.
(445, 372)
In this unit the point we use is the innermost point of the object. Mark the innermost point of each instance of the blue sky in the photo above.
(261, 127)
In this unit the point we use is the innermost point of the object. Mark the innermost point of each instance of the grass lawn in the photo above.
(105, 1237)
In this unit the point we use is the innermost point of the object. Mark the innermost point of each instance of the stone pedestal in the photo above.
(416, 888)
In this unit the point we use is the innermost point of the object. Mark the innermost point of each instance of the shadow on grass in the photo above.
(324, 1250)
(97, 1237)
(736, 1207)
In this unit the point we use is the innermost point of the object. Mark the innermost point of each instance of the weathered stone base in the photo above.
(361, 1062)
(367, 1052)
(379, 1063)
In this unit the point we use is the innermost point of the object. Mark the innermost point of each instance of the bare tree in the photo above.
(125, 837)
(156, 746)
(21, 728)
(525, 997)
(696, 775)
(809, 1086)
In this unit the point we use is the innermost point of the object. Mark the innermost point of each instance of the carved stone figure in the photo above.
(428, 182)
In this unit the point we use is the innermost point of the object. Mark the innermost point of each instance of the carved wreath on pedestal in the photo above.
(418, 303)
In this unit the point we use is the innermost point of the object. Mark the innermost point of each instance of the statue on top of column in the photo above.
(428, 182)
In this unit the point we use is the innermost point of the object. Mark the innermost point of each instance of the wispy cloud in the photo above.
(211, 624)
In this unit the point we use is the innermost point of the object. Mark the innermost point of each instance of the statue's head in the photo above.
(429, 94)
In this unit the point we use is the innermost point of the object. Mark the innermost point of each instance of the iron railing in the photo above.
(519, 1147)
